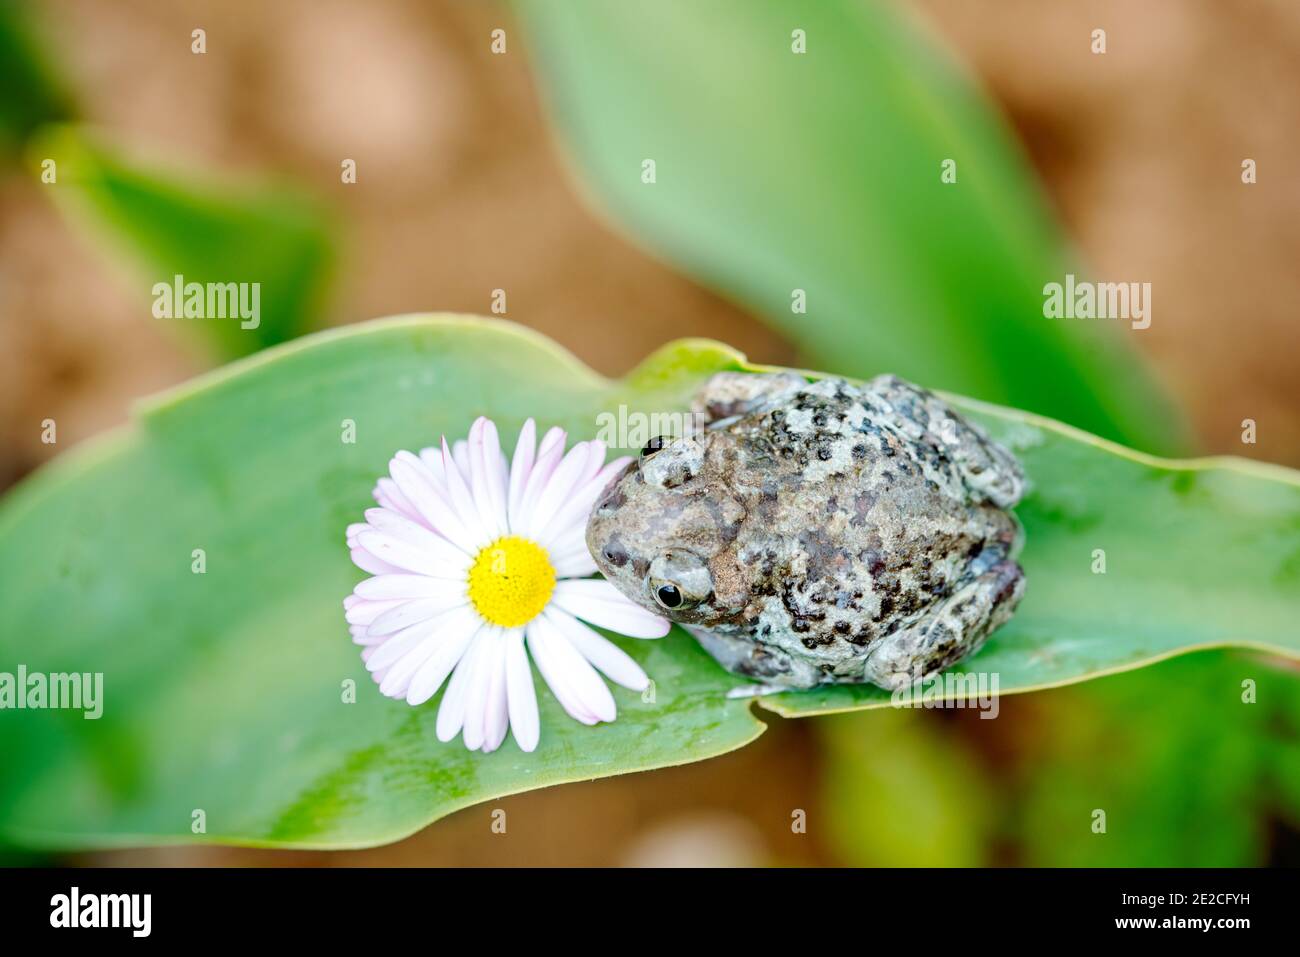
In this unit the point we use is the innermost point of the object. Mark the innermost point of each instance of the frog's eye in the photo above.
(654, 445)
(668, 595)
(679, 580)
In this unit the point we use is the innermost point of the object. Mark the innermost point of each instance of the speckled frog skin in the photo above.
(820, 533)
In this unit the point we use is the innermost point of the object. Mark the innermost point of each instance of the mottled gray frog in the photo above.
(820, 532)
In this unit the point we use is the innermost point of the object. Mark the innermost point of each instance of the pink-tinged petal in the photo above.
(573, 514)
(611, 660)
(384, 587)
(521, 696)
(496, 717)
(597, 601)
(445, 516)
(417, 610)
(484, 483)
(476, 697)
(392, 648)
(364, 612)
(497, 471)
(549, 454)
(596, 452)
(389, 496)
(455, 561)
(451, 713)
(402, 555)
(520, 468)
(454, 634)
(371, 564)
(560, 663)
(460, 455)
(462, 500)
(557, 491)
(398, 677)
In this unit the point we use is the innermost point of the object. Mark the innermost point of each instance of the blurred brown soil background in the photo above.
(461, 190)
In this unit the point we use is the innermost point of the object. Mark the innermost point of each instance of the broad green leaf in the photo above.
(776, 171)
(161, 223)
(31, 91)
(223, 690)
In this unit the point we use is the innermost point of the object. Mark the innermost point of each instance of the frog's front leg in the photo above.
(740, 654)
(953, 629)
(730, 394)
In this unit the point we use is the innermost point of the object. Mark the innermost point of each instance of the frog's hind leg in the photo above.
(989, 472)
(728, 395)
(953, 629)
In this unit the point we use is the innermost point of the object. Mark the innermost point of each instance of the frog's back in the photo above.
(855, 527)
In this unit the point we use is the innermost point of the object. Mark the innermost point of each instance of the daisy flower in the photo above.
(480, 564)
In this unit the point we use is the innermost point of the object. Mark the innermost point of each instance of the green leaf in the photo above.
(222, 691)
(1183, 763)
(777, 171)
(901, 792)
(31, 91)
(162, 223)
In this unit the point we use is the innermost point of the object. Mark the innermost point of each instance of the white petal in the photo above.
(383, 587)
(597, 601)
(549, 454)
(462, 501)
(573, 514)
(364, 612)
(394, 647)
(521, 695)
(539, 645)
(451, 713)
(372, 564)
(445, 515)
(389, 496)
(415, 533)
(578, 565)
(496, 718)
(477, 697)
(561, 665)
(454, 635)
(460, 455)
(612, 660)
(558, 488)
(520, 468)
(398, 677)
(485, 477)
(402, 555)
(412, 612)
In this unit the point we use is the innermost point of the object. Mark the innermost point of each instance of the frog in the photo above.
(817, 532)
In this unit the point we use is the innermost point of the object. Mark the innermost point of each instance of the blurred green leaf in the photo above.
(223, 690)
(1183, 767)
(902, 791)
(162, 223)
(31, 92)
(777, 171)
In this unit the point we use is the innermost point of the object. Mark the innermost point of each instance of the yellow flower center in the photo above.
(511, 581)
